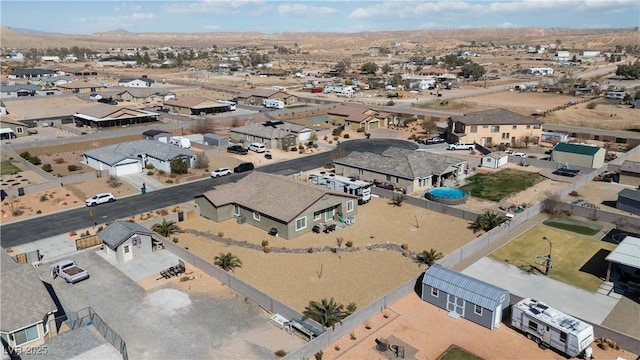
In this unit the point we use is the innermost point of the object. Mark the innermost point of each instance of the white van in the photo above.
(258, 147)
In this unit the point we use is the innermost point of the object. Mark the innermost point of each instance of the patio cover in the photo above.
(627, 252)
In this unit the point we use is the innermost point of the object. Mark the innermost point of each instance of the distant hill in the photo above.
(33, 32)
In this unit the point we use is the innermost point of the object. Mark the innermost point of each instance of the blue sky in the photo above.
(267, 16)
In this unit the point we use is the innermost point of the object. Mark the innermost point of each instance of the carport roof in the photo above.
(403, 163)
(25, 301)
(627, 252)
(119, 231)
(581, 149)
(630, 166)
(113, 154)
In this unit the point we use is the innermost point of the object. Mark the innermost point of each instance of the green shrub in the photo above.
(349, 244)
(39, 212)
(149, 167)
(179, 166)
(592, 105)
(47, 167)
(25, 155)
(265, 242)
(35, 160)
(169, 181)
(73, 167)
(346, 136)
(150, 173)
(360, 130)
(44, 198)
(17, 212)
(161, 172)
(336, 132)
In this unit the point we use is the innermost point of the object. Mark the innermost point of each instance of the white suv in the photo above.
(100, 199)
(258, 147)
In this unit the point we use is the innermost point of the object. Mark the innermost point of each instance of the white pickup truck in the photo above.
(69, 271)
(461, 146)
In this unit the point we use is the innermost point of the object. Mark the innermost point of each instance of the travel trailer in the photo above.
(351, 186)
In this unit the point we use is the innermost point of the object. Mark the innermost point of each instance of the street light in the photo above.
(548, 261)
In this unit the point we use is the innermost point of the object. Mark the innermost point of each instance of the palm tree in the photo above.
(428, 257)
(165, 228)
(227, 261)
(326, 313)
(488, 220)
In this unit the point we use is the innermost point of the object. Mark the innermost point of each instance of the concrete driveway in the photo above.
(138, 179)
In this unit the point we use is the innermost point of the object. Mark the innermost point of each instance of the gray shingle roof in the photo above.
(14, 88)
(32, 72)
(145, 92)
(497, 155)
(147, 80)
(465, 287)
(277, 196)
(25, 301)
(495, 117)
(631, 194)
(119, 231)
(403, 163)
(112, 154)
(630, 166)
(267, 131)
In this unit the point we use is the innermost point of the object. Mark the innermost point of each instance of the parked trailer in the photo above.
(351, 186)
(273, 104)
(552, 328)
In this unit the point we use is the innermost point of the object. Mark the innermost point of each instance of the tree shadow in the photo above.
(597, 265)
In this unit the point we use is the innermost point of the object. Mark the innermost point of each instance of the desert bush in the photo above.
(267, 249)
(169, 181)
(310, 250)
(220, 234)
(173, 176)
(179, 166)
(574, 193)
(39, 212)
(100, 228)
(405, 246)
(175, 240)
(592, 105)
(47, 168)
(202, 161)
(163, 212)
(44, 197)
(35, 160)
(349, 244)
(25, 155)
(149, 167)
(58, 160)
(150, 173)
(161, 172)
(336, 132)
(113, 181)
(280, 353)
(360, 130)
(265, 242)
(346, 136)
(73, 167)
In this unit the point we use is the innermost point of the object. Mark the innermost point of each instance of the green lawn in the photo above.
(456, 353)
(577, 260)
(499, 185)
(579, 227)
(7, 168)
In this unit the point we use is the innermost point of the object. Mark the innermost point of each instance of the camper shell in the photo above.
(551, 327)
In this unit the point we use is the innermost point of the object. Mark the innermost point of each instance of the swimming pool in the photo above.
(447, 195)
(319, 118)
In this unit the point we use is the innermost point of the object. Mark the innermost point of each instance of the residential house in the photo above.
(133, 156)
(105, 116)
(50, 59)
(563, 55)
(31, 73)
(144, 96)
(274, 134)
(493, 127)
(115, 62)
(84, 71)
(51, 81)
(11, 129)
(141, 82)
(629, 201)
(494, 160)
(413, 171)
(353, 117)
(276, 204)
(157, 135)
(18, 90)
(257, 96)
(630, 173)
(126, 240)
(27, 313)
(464, 296)
(584, 155)
(590, 53)
(196, 105)
(80, 87)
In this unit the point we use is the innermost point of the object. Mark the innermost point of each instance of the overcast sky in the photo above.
(269, 16)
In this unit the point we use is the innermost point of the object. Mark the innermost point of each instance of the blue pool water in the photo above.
(319, 118)
(446, 192)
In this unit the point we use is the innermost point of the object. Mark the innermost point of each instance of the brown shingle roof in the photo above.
(186, 101)
(277, 196)
(100, 111)
(495, 117)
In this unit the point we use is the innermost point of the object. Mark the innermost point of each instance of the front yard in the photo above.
(500, 185)
(577, 260)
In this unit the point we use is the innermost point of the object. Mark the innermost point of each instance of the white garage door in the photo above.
(304, 136)
(126, 169)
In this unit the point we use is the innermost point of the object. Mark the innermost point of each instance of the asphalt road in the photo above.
(26, 231)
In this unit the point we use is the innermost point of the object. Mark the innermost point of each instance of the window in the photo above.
(489, 140)
(256, 216)
(26, 335)
(19, 130)
(505, 136)
(563, 336)
(236, 210)
(474, 129)
(388, 177)
(596, 137)
(514, 127)
(536, 126)
(485, 126)
(350, 206)
(317, 215)
(328, 215)
(528, 127)
(477, 309)
(435, 292)
(126, 249)
(495, 129)
(533, 326)
(301, 223)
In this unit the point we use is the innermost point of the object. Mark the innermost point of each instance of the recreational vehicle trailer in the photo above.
(273, 104)
(551, 327)
(351, 186)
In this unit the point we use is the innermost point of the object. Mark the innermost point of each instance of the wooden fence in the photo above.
(87, 242)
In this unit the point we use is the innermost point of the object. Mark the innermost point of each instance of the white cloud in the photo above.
(102, 23)
(507, 25)
(128, 7)
(305, 10)
(211, 27)
(207, 7)
(430, 25)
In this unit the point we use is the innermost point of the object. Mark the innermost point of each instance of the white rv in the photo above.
(551, 327)
(351, 186)
(180, 141)
(273, 104)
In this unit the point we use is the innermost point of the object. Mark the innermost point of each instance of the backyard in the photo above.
(577, 260)
(500, 185)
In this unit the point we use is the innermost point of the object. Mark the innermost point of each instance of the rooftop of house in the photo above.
(630, 166)
(193, 102)
(119, 231)
(113, 154)
(495, 117)
(270, 129)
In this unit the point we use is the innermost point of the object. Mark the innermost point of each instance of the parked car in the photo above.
(100, 199)
(520, 154)
(258, 147)
(69, 271)
(435, 140)
(247, 166)
(237, 149)
(220, 172)
(32, 131)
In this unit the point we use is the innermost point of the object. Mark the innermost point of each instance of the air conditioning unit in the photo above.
(242, 219)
